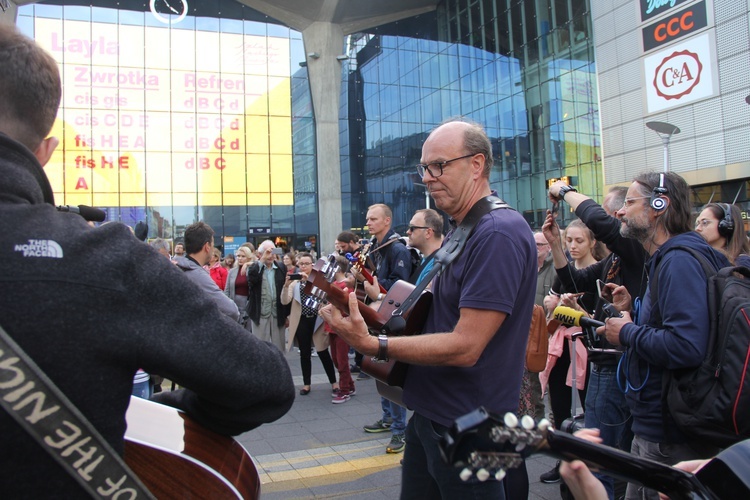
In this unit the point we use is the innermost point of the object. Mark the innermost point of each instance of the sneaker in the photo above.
(353, 392)
(314, 353)
(396, 445)
(354, 368)
(335, 392)
(362, 376)
(552, 476)
(378, 426)
(341, 398)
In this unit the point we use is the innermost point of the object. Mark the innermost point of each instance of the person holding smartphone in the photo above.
(306, 326)
(264, 308)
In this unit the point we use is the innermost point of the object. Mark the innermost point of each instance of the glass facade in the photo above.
(174, 118)
(523, 69)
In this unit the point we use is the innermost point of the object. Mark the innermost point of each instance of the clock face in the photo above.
(165, 10)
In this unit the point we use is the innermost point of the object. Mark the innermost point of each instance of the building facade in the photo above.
(197, 109)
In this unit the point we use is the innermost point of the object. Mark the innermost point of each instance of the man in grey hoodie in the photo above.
(199, 243)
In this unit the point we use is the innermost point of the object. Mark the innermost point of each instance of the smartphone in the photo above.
(604, 292)
(555, 210)
(295, 276)
(277, 251)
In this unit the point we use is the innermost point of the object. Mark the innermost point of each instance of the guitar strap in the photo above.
(451, 249)
(38, 405)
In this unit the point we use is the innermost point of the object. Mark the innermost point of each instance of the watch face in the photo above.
(169, 11)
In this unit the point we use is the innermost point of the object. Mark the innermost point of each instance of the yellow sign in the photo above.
(158, 116)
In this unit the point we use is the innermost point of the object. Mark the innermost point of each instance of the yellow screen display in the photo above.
(158, 116)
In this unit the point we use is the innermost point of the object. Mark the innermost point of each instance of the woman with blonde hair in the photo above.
(236, 287)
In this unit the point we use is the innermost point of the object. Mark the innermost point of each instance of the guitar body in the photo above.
(391, 373)
(177, 458)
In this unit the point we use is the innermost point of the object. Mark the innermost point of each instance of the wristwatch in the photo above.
(382, 356)
(565, 190)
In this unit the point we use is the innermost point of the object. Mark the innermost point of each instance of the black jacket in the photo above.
(255, 282)
(91, 306)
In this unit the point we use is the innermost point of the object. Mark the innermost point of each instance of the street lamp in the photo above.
(426, 193)
(665, 131)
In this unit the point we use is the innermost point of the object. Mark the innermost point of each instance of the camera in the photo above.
(573, 424)
(295, 276)
(277, 251)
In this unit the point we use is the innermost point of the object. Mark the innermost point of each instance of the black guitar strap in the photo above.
(38, 405)
(451, 249)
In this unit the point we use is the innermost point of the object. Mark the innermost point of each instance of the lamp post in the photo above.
(665, 131)
(426, 193)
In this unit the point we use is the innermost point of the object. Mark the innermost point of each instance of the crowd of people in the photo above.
(121, 310)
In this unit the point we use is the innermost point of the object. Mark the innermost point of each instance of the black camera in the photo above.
(573, 424)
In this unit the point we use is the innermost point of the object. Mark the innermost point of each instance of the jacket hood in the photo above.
(22, 178)
(696, 242)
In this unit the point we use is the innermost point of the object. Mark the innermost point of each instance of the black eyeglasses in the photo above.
(425, 167)
(412, 228)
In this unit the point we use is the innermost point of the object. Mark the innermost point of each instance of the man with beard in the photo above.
(672, 333)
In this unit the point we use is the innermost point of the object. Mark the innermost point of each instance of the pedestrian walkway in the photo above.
(319, 449)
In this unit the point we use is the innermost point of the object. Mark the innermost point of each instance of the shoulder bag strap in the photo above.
(38, 405)
(445, 255)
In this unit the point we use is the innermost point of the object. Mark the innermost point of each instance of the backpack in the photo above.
(712, 401)
(536, 349)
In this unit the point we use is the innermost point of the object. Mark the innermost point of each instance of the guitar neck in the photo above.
(625, 466)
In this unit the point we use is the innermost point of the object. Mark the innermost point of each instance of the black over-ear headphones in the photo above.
(658, 201)
(726, 225)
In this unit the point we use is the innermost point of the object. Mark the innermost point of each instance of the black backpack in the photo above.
(712, 401)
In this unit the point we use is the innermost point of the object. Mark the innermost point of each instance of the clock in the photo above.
(164, 10)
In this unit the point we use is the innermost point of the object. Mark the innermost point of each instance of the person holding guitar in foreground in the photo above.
(90, 306)
(472, 348)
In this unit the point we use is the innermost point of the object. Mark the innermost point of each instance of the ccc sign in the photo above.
(675, 26)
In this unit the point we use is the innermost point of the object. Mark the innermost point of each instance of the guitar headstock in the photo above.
(484, 445)
(319, 282)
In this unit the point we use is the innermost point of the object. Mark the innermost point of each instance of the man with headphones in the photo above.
(671, 333)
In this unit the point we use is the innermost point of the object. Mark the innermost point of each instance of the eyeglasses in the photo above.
(703, 223)
(439, 165)
(412, 228)
(629, 201)
(304, 263)
(542, 244)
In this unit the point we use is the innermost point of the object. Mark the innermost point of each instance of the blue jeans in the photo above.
(395, 414)
(142, 389)
(425, 475)
(607, 410)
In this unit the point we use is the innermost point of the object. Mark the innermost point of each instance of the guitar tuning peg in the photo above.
(483, 475)
(527, 422)
(500, 475)
(544, 424)
(511, 421)
(465, 474)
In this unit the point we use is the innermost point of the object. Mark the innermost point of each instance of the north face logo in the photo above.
(41, 248)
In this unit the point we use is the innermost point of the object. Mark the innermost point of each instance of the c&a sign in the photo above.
(682, 73)
(677, 25)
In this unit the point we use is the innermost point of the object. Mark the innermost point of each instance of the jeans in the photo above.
(666, 453)
(425, 475)
(607, 410)
(396, 414)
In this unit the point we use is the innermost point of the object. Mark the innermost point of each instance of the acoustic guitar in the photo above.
(391, 373)
(177, 458)
(483, 446)
(359, 265)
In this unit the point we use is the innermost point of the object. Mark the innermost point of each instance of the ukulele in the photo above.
(483, 446)
(319, 287)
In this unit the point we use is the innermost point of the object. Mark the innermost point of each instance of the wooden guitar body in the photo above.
(390, 374)
(177, 458)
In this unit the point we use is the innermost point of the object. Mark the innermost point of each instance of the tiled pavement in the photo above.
(319, 450)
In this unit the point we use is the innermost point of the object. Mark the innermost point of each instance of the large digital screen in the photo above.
(160, 116)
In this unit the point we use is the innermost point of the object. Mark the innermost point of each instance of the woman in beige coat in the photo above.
(306, 326)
